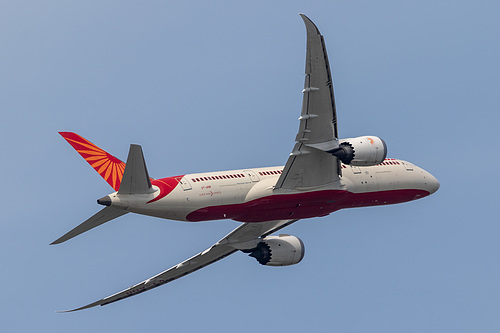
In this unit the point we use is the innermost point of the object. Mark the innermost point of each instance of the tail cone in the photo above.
(105, 201)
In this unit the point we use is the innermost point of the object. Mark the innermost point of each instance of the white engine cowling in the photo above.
(362, 151)
(282, 250)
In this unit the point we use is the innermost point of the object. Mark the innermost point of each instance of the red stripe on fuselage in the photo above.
(166, 185)
(302, 205)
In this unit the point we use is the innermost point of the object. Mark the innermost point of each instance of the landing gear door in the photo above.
(253, 176)
(184, 183)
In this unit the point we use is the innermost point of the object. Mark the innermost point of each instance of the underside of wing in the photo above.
(244, 237)
(308, 165)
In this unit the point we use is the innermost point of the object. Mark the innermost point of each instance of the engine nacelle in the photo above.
(282, 250)
(361, 151)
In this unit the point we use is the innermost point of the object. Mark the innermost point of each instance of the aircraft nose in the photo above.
(432, 183)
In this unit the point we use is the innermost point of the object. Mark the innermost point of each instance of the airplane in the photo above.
(323, 174)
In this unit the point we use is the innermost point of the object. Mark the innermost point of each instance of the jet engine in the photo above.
(361, 151)
(282, 250)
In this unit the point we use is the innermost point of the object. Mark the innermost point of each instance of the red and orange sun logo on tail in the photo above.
(109, 167)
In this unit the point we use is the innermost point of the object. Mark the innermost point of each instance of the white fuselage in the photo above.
(248, 195)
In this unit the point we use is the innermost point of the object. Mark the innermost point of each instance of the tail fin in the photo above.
(109, 167)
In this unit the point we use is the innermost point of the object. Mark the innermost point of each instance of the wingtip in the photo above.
(304, 17)
(91, 305)
(309, 23)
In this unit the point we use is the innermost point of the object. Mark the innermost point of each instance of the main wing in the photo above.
(308, 165)
(246, 236)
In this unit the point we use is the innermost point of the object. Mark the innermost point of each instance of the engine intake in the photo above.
(282, 250)
(361, 151)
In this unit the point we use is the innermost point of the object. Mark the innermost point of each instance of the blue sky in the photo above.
(217, 85)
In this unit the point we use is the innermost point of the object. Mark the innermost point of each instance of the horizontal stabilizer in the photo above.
(135, 177)
(103, 216)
